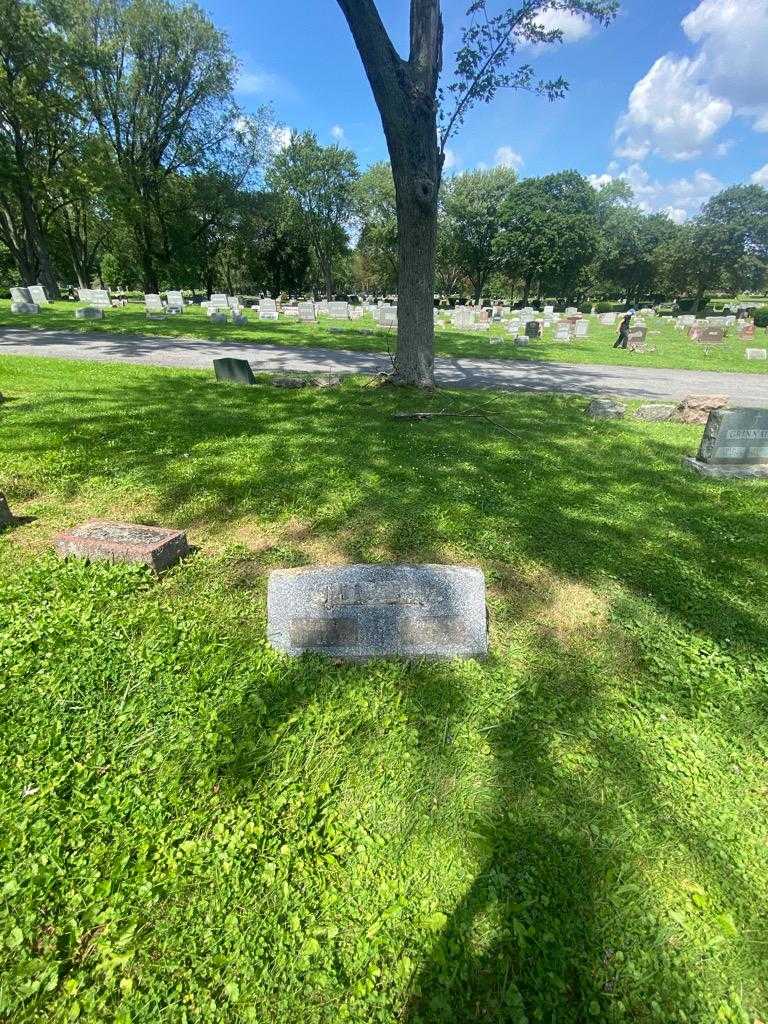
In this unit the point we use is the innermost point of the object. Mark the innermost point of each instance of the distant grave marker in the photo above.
(101, 540)
(756, 353)
(358, 612)
(236, 371)
(6, 517)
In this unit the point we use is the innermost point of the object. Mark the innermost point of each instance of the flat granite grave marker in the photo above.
(101, 540)
(756, 353)
(735, 444)
(234, 370)
(356, 612)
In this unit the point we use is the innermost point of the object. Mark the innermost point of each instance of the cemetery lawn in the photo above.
(195, 828)
(673, 349)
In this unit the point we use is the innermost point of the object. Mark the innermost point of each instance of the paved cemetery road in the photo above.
(519, 375)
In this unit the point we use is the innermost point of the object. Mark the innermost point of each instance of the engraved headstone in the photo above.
(89, 313)
(756, 353)
(711, 336)
(735, 443)
(357, 612)
(533, 329)
(237, 370)
(100, 540)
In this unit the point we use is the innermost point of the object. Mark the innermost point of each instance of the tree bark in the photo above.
(405, 94)
(46, 275)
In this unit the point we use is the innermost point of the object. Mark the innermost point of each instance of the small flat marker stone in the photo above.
(102, 540)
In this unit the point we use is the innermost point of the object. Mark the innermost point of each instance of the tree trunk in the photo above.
(405, 93)
(46, 275)
(417, 232)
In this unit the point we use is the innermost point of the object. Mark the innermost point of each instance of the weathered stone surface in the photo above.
(655, 413)
(101, 540)
(606, 409)
(696, 408)
(522, 341)
(6, 518)
(756, 353)
(237, 371)
(239, 320)
(24, 307)
(533, 329)
(289, 382)
(89, 313)
(718, 471)
(327, 380)
(217, 318)
(357, 612)
(735, 436)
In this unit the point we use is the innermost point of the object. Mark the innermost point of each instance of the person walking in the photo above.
(623, 339)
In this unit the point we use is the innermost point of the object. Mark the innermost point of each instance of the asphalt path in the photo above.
(746, 389)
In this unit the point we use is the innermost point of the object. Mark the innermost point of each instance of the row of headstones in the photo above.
(28, 298)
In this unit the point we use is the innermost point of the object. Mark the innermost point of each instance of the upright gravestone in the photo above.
(533, 329)
(100, 540)
(234, 370)
(6, 517)
(358, 612)
(711, 336)
(735, 444)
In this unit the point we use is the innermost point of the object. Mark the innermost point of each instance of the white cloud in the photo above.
(670, 113)
(599, 180)
(678, 108)
(761, 177)
(572, 26)
(680, 198)
(254, 83)
(733, 36)
(337, 132)
(279, 137)
(507, 157)
(450, 160)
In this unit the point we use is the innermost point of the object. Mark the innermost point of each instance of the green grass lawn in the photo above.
(673, 348)
(194, 828)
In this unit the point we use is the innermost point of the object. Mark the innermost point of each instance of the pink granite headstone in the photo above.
(101, 540)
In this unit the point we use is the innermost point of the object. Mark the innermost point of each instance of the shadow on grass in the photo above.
(591, 501)
(535, 935)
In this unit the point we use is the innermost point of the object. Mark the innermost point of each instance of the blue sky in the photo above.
(673, 96)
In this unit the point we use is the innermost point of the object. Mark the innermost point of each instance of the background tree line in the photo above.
(125, 160)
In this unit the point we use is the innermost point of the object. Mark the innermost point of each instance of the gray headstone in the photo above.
(735, 437)
(606, 409)
(24, 307)
(6, 517)
(655, 413)
(756, 353)
(357, 612)
(237, 370)
(217, 318)
(101, 540)
(533, 329)
(89, 313)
